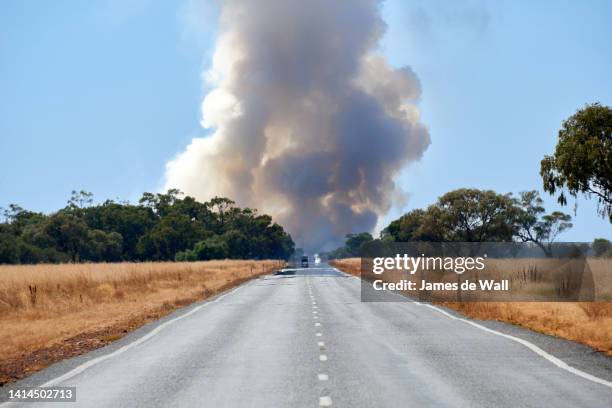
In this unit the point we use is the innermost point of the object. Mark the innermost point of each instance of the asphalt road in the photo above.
(306, 340)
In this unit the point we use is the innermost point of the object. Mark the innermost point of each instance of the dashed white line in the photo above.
(317, 324)
(321, 344)
(323, 357)
(319, 334)
(325, 401)
(323, 377)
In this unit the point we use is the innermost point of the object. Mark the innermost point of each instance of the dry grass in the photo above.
(48, 312)
(348, 265)
(584, 322)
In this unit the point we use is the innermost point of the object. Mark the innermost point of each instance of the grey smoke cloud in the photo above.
(309, 123)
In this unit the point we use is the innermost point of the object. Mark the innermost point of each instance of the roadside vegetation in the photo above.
(588, 323)
(471, 215)
(50, 312)
(161, 227)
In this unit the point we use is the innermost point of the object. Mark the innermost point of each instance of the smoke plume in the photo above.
(308, 122)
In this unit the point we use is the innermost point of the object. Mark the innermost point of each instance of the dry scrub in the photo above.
(585, 322)
(49, 312)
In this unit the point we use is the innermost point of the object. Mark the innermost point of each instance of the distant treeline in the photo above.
(160, 227)
(473, 215)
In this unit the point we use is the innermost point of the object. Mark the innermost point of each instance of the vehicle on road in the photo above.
(304, 262)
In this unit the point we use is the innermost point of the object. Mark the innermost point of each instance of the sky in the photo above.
(101, 95)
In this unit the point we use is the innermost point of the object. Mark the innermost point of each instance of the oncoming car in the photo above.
(304, 262)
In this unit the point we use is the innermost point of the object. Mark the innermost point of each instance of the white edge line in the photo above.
(79, 369)
(554, 360)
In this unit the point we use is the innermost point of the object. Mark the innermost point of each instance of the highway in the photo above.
(306, 340)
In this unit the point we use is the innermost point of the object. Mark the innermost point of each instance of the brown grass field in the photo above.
(584, 322)
(50, 312)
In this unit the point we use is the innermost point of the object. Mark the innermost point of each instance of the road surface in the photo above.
(306, 340)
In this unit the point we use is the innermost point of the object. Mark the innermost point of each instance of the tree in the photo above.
(601, 247)
(161, 204)
(221, 206)
(535, 227)
(68, 233)
(338, 253)
(469, 215)
(80, 199)
(9, 247)
(211, 248)
(103, 246)
(354, 242)
(582, 161)
(405, 228)
(129, 221)
(172, 233)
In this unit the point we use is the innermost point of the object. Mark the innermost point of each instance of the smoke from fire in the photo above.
(308, 122)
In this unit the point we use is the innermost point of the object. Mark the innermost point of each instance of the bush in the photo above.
(601, 247)
(211, 248)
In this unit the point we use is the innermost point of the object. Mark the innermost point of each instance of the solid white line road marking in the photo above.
(325, 401)
(79, 369)
(559, 363)
(323, 357)
(323, 377)
(554, 360)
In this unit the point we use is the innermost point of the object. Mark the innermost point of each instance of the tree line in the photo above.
(580, 164)
(473, 215)
(161, 227)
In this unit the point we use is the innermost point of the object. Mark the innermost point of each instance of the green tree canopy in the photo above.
(354, 242)
(163, 226)
(533, 225)
(582, 160)
(472, 215)
(602, 247)
(469, 215)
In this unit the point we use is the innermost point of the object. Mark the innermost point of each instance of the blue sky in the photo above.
(100, 95)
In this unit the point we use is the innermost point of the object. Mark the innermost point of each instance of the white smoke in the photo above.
(309, 122)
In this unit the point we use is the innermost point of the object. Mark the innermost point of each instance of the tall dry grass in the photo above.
(43, 307)
(348, 265)
(584, 322)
